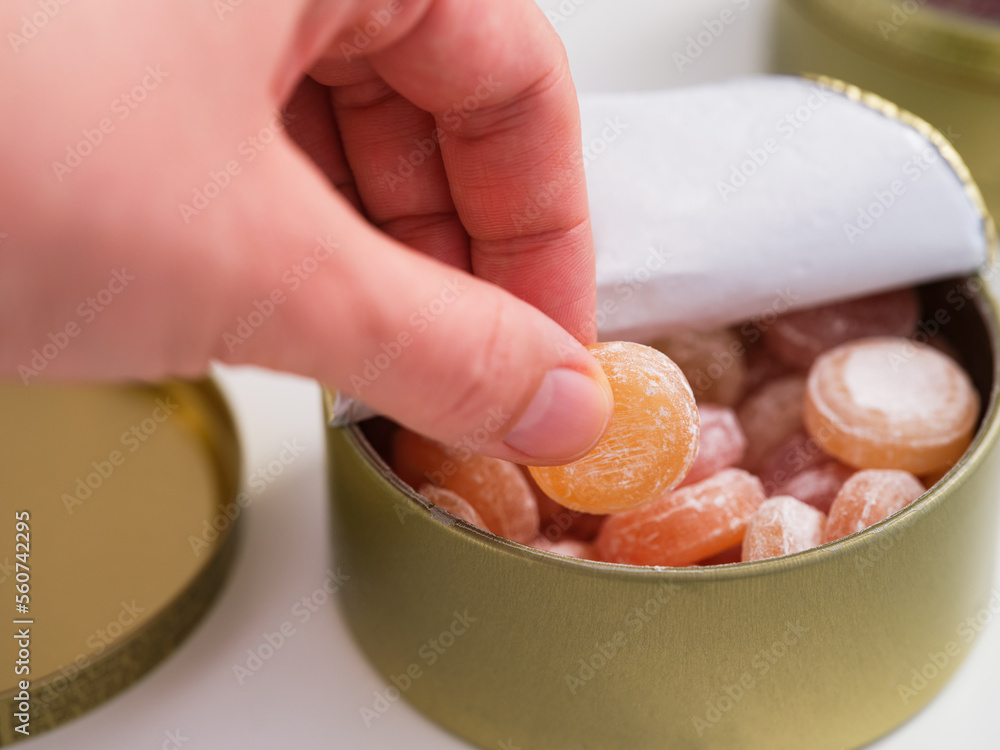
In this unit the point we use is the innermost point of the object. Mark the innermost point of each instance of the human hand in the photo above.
(158, 211)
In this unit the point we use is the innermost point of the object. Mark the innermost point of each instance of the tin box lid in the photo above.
(117, 536)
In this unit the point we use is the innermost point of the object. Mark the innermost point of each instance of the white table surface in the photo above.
(309, 694)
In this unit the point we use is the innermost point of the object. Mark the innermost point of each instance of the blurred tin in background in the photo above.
(940, 59)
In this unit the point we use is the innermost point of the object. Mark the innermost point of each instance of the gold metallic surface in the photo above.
(120, 482)
(508, 646)
(938, 65)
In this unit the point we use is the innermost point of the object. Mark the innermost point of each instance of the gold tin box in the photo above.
(507, 646)
(940, 64)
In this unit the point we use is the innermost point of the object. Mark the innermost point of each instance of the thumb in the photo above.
(440, 351)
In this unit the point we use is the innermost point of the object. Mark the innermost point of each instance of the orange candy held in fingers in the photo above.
(887, 403)
(868, 497)
(782, 526)
(496, 489)
(686, 525)
(649, 446)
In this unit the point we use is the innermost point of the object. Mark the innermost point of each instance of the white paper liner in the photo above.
(721, 203)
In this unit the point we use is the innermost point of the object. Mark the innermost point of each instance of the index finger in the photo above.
(496, 78)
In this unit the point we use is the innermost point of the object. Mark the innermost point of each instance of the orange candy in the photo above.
(686, 525)
(769, 416)
(799, 337)
(712, 361)
(781, 526)
(867, 498)
(495, 488)
(649, 446)
(457, 506)
(558, 522)
(888, 403)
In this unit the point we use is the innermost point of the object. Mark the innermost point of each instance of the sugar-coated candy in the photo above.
(565, 547)
(686, 525)
(770, 415)
(712, 361)
(453, 503)
(782, 525)
(793, 455)
(799, 337)
(888, 403)
(650, 444)
(721, 445)
(819, 485)
(867, 498)
(495, 488)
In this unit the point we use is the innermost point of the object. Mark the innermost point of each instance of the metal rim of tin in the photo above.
(129, 659)
(945, 46)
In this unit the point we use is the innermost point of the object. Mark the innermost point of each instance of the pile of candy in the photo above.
(813, 427)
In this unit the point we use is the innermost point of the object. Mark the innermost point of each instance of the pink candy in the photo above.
(799, 337)
(722, 443)
(770, 415)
